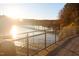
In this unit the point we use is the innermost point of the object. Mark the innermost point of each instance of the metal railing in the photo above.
(35, 41)
(30, 43)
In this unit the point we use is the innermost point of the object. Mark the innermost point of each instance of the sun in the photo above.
(13, 12)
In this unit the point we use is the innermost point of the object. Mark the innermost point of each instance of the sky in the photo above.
(32, 10)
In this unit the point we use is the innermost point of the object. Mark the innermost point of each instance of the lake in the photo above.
(36, 41)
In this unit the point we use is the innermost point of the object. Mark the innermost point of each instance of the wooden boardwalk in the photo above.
(66, 47)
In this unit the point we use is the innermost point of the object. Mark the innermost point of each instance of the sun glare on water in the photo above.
(14, 35)
(14, 32)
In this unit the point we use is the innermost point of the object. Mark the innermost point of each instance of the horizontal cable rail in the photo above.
(65, 38)
(31, 35)
(38, 44)
(35, 43)
(32, 44)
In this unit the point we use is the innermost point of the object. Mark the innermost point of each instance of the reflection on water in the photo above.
(14, 35)
(22, 29)
(19, 29)
(14, 31)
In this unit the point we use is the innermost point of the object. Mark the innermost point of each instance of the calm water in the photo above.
(17, 31)
(33, 41)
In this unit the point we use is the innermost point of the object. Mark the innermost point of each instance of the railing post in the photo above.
(45, 38)
(27, 45)
(55, 35)
(33, 38)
